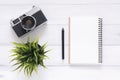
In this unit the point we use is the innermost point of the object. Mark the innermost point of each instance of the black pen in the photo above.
(62, 36)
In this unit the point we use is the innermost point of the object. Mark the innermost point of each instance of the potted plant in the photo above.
(29, 56)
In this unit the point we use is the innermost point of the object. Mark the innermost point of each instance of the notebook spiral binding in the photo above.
(100, 39)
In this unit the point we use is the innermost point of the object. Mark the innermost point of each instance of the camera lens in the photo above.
(28, 23)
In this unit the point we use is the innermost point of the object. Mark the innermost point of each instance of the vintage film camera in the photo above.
(28, 21)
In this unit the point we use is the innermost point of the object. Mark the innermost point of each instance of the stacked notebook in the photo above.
(85, 40)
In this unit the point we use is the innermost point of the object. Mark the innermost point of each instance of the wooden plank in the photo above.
(58, 14)
(67, 73)
(54, 56)
(5, 55)
(47, 33)
(58, 1)
(111, 56)
(52, 34)
(111, 35)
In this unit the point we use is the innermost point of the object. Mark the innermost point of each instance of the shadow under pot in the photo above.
(28, 23)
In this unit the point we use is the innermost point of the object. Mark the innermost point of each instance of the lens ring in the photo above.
(28, 23)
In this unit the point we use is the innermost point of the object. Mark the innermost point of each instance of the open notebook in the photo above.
(85, 39)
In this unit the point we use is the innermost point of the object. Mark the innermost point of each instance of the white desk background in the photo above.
(57, 12)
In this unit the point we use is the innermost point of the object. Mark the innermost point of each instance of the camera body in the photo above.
(28, 21)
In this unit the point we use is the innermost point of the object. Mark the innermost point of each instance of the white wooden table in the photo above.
(57, 12)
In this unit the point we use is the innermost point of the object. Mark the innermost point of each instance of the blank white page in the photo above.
(84, 40)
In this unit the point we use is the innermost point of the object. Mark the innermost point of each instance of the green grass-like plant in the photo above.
(28, 56)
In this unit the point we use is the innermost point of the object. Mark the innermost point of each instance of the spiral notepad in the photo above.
(85, 40)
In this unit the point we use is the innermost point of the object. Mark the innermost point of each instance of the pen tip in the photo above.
(62, 28)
